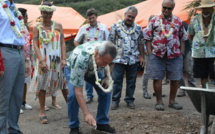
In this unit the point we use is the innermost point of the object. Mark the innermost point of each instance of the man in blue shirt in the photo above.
(12, 78)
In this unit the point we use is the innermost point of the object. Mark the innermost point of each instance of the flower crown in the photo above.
(47, 8)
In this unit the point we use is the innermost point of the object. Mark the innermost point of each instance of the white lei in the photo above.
(209, 27)
(20, 33)
(125, 31)
(171, 29)
(97, 32)
(50, 34)
(107, 68)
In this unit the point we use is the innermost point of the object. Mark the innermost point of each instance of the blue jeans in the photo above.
(118, 74)
(89, 90)
(73, 106)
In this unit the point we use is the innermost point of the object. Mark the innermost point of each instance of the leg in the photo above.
(189, 70)
(181, 92)
(54, 103)
(17, 92)
(24, 94)
(131, 74)
(65, 93)
(158, 90)
(118, 73)
(203, 82)
(145, 81)
(173, 90)
(42, 99)
(73, 107)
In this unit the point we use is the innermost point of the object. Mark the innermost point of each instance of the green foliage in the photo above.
(81, 6)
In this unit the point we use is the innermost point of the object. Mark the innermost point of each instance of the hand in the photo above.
(105, 82)
(1, 73)
(142, 61)
(63, 63)
(44, 67)
(90, 120)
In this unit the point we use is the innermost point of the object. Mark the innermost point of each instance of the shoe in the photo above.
(56, 106)
(181, 93)
(46, 108)
(146, 95)
(74, 130)
(115, 106)
(105, 128)
(89, 100)
(131, 105)
(44, 120)
(26, 106)
(21, 111)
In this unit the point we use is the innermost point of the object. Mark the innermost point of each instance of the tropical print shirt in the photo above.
(200, 47)
(163, 46)
(81, 64)
(127, 44)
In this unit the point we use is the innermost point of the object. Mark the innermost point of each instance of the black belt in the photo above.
(11, 46)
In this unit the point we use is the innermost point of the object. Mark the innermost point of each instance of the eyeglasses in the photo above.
(167, 8)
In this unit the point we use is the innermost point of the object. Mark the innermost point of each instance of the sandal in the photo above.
(159, 107)
(56, 106)
(43, 120)
(46, 108)
(175, 106)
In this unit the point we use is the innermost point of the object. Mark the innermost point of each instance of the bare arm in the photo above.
(149, 47)
(87, 115)
(141, 56)
(182, 45)
(37, 50)
(63, 46)
(76, 43)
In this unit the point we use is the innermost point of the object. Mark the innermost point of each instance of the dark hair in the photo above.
(91, 11)
(46, 2)
(23, 11)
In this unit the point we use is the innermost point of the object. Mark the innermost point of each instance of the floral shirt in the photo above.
(127, 44)
(81, 64)
(27, 44)
(163, 46)
(200, 47)
(88, 33)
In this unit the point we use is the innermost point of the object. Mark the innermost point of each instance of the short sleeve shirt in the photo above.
(200, 47)
(162, 45)
(126, 43)
(80, 63)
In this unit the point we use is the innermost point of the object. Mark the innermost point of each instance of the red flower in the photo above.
(12, 23)
(95, 38)
(88, 39)
(5, 6)
(87, 29)
(97, 28)
(20, 17)
(23, 32)
(160, 16)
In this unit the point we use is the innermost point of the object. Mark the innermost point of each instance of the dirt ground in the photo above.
(143, 120)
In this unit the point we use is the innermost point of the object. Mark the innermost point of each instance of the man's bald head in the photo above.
(169, 2)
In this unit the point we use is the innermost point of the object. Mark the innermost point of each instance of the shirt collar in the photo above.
(123, 23)
(170, 18)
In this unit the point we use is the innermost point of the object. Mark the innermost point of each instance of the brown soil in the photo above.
(143, 120)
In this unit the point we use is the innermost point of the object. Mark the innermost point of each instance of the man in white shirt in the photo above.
(90, 32)
(12, 77)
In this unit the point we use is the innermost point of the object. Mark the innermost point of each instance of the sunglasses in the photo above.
(167, 8)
